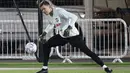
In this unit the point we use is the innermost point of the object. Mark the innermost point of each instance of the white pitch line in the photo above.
(61, 68)
(65, 68)
(19, 68)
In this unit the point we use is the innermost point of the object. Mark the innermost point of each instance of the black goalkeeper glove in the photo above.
(67, 31)
(41, 37)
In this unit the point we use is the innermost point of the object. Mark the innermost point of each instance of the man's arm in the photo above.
(47, 29)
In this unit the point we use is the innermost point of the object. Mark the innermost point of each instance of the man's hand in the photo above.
(41, 37)
(67, 31)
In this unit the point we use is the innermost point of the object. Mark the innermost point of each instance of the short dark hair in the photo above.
(44, 3)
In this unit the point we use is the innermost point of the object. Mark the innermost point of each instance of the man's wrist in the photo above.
(69, 27)
(43, 34)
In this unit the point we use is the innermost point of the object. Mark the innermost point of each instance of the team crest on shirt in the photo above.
(57, 20)
(58, 24)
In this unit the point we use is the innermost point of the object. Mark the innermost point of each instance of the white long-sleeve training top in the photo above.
(60, 20)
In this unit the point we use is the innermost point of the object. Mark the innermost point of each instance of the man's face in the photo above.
(46, 9)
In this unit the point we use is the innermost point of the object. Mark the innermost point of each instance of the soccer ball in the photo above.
(30, 47)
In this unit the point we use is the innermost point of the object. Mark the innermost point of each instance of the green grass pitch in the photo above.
(65, 68)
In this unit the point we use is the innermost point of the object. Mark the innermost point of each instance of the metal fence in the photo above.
(108, 38)
(13, 37)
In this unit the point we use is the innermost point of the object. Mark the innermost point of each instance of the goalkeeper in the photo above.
(66, 32)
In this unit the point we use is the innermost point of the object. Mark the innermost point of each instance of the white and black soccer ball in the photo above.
(30, 47)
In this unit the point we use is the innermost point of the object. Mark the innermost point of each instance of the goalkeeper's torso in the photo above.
(61, 19)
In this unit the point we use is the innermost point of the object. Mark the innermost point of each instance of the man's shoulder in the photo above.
(59, 9)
